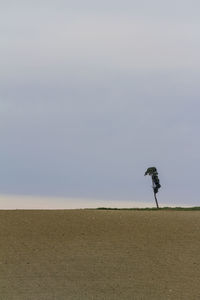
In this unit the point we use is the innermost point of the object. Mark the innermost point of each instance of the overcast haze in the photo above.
(92, 93)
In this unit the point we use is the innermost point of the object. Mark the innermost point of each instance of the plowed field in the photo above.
(104, 255)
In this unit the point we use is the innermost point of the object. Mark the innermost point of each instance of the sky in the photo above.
(92, 93)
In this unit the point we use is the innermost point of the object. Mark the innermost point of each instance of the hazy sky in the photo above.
(94, 92)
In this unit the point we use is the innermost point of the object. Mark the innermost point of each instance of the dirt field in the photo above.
(104, 255)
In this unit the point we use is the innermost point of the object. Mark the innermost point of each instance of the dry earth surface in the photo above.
(104, 255)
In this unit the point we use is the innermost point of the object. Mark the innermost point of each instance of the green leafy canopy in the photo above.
(154, 175)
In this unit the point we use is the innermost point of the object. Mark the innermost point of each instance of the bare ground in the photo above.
(104, 255)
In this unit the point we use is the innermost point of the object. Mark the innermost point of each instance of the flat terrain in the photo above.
(97, 254)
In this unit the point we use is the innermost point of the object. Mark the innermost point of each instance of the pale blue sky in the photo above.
(92, 93)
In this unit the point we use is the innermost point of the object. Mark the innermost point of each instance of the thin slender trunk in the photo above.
(155, 194)
(156, 200)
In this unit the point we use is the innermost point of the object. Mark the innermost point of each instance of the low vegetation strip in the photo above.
(152, 208)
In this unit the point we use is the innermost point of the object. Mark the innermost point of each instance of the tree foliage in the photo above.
(155, 180)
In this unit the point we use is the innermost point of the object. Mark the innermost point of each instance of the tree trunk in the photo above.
(154, 194)
(156, 200)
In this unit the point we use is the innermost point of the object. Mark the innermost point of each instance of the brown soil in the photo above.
(104, 255)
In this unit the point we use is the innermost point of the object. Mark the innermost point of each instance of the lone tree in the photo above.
(155, 181)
